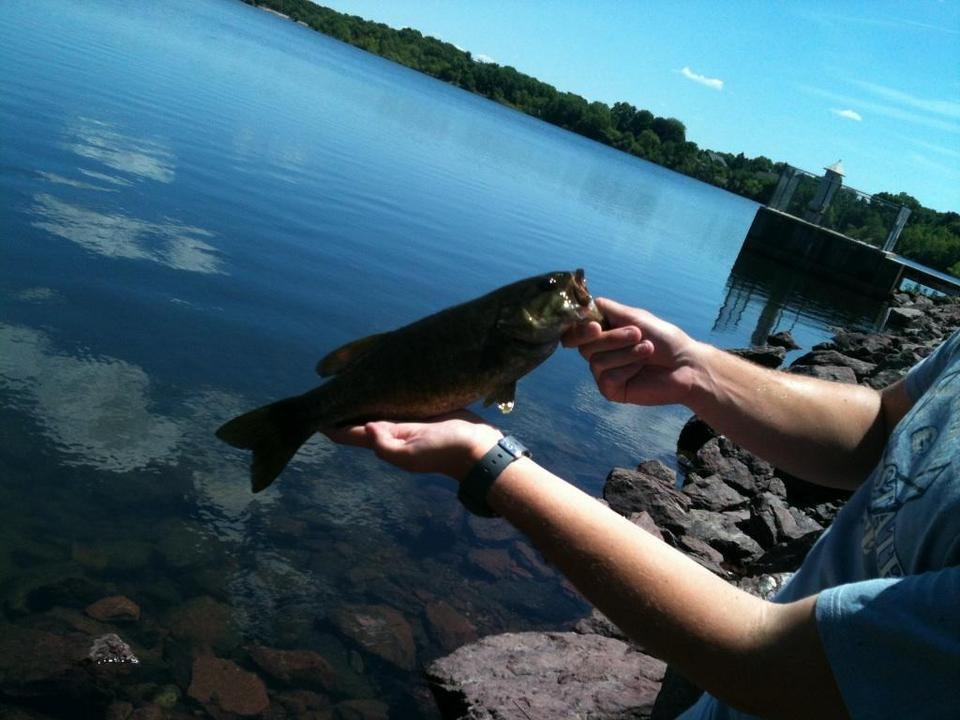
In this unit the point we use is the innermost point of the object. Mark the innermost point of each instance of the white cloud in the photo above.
(848, 114)
(481, 58)
(886, 109)
(715, 83)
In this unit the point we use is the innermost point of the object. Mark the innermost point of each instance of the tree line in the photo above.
(930, 237)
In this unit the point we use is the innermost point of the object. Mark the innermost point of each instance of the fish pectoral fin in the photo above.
(337, 360)
(503, 396)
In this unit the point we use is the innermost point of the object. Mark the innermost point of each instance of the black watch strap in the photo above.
(474, 488)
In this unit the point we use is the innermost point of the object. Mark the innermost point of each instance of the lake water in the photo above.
(200, 199)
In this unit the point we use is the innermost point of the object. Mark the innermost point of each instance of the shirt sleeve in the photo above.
(894, 644)
(922, 375)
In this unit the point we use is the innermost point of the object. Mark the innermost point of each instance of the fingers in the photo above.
(631, 355)
(581, 334)
(355, 435)
(618, 339)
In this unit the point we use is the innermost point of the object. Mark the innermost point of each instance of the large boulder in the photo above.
(833, 358)
(653, 492)
(517, 676)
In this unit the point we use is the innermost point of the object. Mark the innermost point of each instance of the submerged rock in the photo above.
(114, 608)
(109, 649)
(361, 710)
(204, 623)
(448, 626)
(302, 668)
(380, 630)
(223, 687)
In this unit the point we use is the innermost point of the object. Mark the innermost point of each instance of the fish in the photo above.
(473, 351)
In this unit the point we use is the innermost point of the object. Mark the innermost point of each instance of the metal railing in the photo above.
(850, 212)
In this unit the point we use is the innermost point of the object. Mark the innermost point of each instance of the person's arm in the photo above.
(758, 656)
(825, 432)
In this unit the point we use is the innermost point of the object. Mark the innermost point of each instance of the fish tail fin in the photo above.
(274, 432)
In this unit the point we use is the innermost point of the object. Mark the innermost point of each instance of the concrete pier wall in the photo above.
(823, 252)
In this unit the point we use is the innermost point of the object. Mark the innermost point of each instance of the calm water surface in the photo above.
(200, 199)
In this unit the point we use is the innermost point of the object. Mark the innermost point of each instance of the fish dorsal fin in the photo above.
(346, 354)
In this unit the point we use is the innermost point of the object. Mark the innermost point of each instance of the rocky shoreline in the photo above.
(734, 513)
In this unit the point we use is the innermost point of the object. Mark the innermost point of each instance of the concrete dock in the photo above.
(841, 259)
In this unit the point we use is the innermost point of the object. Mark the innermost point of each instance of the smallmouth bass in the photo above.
(444, 362)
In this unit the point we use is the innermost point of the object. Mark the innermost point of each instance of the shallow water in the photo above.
(198, 201)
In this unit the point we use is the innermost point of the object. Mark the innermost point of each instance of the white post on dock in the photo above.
(829, 184)
(897, 228)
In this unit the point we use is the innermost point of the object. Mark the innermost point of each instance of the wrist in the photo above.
(474, 449)
(475, 488)
(700, 360)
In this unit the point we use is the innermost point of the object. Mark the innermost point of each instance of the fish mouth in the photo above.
(580, 292)
(586, 308)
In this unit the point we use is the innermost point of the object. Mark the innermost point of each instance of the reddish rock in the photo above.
(31, 657)
(221, 686)
(834, 373)
(305, 704)
(204, 623)
(783, 339)
(297, 667)
(765, 355)
(114, 608)
(494, 561)
(380, 630)
(533, 559)
(491, 529)
(448, 627)
(545, 675)
(643, 520)
(646, 490)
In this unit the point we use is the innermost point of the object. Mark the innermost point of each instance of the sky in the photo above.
(874, 84)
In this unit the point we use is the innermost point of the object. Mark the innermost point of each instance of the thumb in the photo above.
(384, 438)
(616, 314)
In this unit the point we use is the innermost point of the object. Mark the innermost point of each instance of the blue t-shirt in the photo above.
(888, 569)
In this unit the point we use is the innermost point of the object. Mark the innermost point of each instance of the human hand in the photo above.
(450, 444)
(641, 359)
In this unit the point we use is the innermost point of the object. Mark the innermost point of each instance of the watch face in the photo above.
(513, 446)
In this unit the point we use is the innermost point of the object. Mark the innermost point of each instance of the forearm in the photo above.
(825, 432)
(750, 653)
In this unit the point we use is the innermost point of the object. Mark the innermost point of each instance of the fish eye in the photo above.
(549, 283)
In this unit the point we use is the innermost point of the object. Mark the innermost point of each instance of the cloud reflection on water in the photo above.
(79, 184)
(103, 177)
(94, 409)
(116, 235)
(98, 140)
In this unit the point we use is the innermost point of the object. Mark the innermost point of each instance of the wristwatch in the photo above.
(474, 488)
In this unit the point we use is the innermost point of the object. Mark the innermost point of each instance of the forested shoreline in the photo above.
(930, 237)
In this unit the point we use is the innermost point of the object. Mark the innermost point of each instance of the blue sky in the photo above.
(876, 84)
